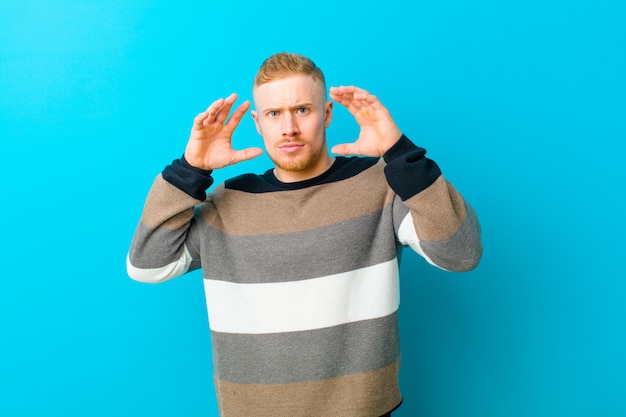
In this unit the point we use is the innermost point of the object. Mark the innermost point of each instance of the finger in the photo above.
(361, 96)
(340, 93)
(227, 104)
(365, 97)
(343, 149)
(353, 98)
(363, 103)
(198, 121)
(349, 101)
(344, 98)
(246, 154)
(208, 115)
(366, 103)
(371, 103)
(237, 115)
(214, 107)
(346, 91)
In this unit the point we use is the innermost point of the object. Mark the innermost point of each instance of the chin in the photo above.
(294, 166)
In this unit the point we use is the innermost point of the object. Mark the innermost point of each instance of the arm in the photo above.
(438, 224)
(162, 246)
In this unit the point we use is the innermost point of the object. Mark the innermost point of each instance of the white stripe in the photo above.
(157, 275)
(408, 236)
(332, 300)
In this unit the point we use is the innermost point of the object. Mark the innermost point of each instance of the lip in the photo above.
(291, 146)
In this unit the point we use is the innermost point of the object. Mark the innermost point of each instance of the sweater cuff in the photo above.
(193, 181)
(408, 171)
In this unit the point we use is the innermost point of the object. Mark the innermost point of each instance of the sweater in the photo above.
(302, 279)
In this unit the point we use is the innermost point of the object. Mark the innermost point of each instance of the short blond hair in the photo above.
(283, 64)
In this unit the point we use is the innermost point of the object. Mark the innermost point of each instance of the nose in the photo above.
(290, 126)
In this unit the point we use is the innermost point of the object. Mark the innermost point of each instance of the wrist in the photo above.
(397, 135)
(400, 147)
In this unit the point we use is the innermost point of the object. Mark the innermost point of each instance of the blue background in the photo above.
(522, 103)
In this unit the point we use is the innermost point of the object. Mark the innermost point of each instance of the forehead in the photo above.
(288, 91)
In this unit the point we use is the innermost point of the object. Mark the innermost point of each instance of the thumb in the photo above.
(246, 154)
(342, 149)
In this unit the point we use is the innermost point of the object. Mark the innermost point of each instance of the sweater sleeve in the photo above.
(161, 247)
(438, 223)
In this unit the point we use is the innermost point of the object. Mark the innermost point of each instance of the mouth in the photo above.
(291, 146)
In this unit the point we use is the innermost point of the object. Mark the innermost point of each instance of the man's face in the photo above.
(292, 116)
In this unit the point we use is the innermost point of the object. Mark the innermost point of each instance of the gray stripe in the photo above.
(156, 248)
(283, 358)
(342, 247)
(461, 251)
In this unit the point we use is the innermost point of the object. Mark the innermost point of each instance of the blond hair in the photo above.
(283, 64)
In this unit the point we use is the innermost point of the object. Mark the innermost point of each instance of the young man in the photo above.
(300, 264)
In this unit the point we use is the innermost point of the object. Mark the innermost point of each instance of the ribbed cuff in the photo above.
(193, 181)
(408, 171)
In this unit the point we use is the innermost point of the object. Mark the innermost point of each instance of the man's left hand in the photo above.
(378, 130)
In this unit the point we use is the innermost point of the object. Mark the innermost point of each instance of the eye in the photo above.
(302, 110)
(272, 113)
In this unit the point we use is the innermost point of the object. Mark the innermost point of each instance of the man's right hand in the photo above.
(209, 145)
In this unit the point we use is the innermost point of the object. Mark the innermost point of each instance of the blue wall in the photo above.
(522, 103)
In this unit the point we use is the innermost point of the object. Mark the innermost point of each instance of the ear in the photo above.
(328, 113)
(255, 116)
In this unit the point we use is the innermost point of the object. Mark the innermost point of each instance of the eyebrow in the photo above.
(296, 106)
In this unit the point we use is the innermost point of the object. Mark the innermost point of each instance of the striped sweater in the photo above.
(301, 279)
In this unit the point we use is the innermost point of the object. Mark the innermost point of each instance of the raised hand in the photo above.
(378, 130)
(209, 145)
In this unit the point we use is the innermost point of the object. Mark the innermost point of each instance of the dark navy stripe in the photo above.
(343, 168)
(193, 181)
(408, 171)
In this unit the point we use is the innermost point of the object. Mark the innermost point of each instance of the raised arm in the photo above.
(163, 246)
(435, 219)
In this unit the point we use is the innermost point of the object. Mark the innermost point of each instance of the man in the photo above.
(300, 264)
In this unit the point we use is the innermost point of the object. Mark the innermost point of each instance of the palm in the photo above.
(210, 141)
(211, 145)
(372, 123)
